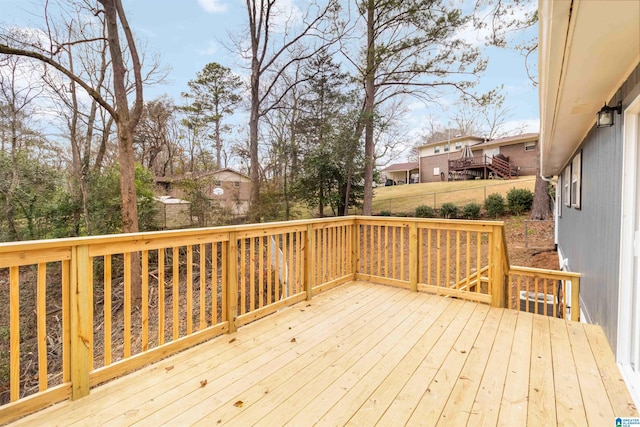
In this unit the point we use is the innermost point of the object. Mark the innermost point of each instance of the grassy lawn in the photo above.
(405, 198)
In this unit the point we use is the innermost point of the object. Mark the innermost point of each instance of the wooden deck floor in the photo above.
(365, 354)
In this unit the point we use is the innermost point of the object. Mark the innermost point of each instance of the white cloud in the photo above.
(213, 6)
(514, 127)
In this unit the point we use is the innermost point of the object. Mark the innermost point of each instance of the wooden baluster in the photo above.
(107, 309)
(202, 261)
(127, 305)
(41, 308)
(145, 301)
(243, 276)
(14, 333)
(261, 241)
(161, 296)
(176, 293)
(252, 273)
(189, 289)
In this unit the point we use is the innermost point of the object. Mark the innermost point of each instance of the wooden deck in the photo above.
(365, 354)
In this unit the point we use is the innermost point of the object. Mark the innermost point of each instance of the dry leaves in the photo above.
(238, 404)
(293, 340)
(168, 368)
(203, 383)
(231, 340)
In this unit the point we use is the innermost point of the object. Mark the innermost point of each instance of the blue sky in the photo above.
(187, 34)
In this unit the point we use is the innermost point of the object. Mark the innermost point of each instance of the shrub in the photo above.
(494, 205)
(424, 211)
(471, 211)
(519, 200)
(448, 210)
(385, 213)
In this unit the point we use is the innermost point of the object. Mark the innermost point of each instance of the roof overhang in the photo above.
(587, 48)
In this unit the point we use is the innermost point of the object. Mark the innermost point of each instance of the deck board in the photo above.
(367, 354)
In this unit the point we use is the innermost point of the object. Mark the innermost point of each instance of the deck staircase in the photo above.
(500, 167)
(482, 166)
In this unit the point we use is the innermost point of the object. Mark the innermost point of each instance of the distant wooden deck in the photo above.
(368, 354)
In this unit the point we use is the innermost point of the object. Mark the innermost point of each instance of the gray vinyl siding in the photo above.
(590, 237)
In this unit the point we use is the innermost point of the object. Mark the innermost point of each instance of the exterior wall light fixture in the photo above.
(605, 115)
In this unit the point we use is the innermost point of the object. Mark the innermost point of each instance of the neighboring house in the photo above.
(438, 159)
(172, 212)
(589, 54)
(229, 188)
(402, 173)
(519, 150)
(433, 157)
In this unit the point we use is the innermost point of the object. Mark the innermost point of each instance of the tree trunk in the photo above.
(126, 122)
(14, 234)
(367, 206)
(540, 209)
(254, 198)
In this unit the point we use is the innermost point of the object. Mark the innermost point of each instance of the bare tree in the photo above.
(16, 101)
(412, 48)
(126, 115)
(278, 39)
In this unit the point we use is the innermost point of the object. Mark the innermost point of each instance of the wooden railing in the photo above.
(456, 258)
(547, 292)
(496, 164)
(72, 322)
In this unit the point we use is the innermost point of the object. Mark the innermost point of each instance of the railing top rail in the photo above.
(6, 247)
(471, 222)
(531, 270)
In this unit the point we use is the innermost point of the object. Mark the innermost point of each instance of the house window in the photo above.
(576, 180)
(529, 146)
(566, 186)
(458, 145)
(446, 147)
(436, 171)
(236, 184)
(436, 150)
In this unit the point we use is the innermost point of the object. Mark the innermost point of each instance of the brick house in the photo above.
(401, 173)
(519, 151)
(228, 187)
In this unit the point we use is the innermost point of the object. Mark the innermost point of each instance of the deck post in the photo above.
(413, 256)
(575, 299)
(81, 323)
(232, 282)
(308, 261)
(497, 268)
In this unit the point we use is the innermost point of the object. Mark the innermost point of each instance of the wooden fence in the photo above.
(87, 310)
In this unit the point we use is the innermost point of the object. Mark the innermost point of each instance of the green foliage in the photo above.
(448, 211)
(519, 200)
(385, 213)
(26, 208)
(424, 211)
(333, 160)
(272, 204)
(471, 211)
(105, 202)
(494, 205)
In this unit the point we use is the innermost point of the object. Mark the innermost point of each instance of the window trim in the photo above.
(576, 181)
(530, 146)
(566, 186)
